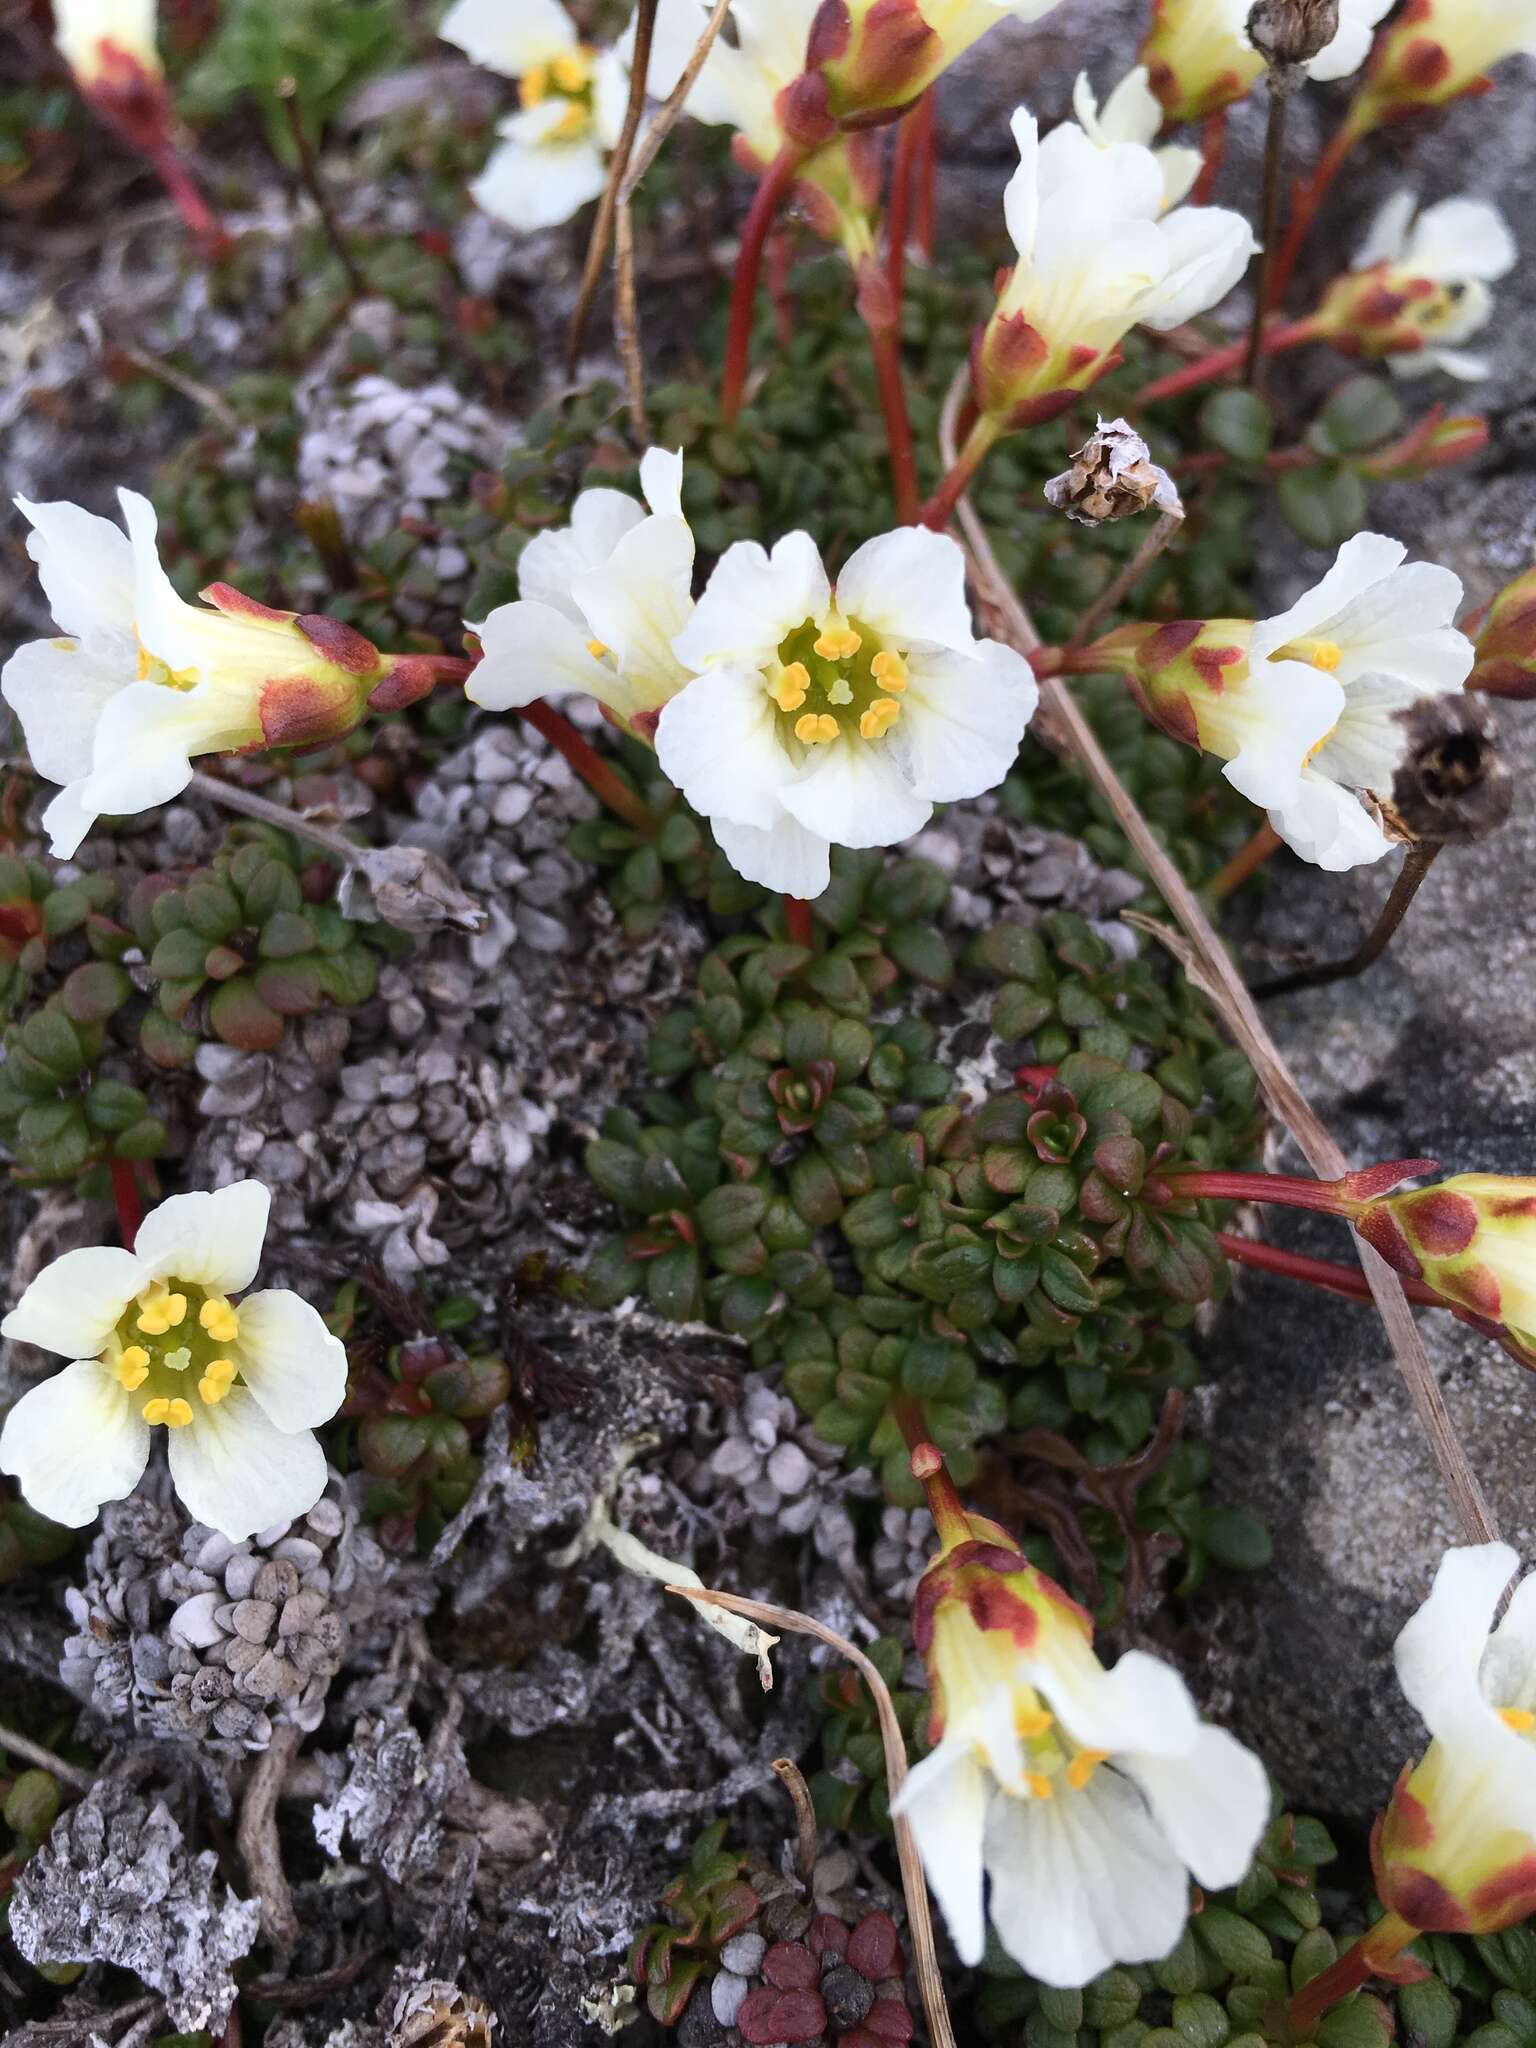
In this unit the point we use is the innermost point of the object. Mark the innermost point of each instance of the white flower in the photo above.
(1132, 113)
(1087, 1796)
(740, 83)
(1460, 246)
(841, 717)
(1456, 1849)
(143, 682)
(156, 1339)
(602, 601)
(1097, 256)
(106, 41)
(1201, 60)
(1384, 630)
(553, 153)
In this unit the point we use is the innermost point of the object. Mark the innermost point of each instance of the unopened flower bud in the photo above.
(1188, 676)
(1434, 442)
(1472, 1239)
(1506, 647)
(868, 60)
(1437, 51)
(1292, 32)
(1113, 477)
(109, 45)
(1452, 785)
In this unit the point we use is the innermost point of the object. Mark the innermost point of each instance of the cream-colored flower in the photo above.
(1439, 49)
(822, 716)
(159, 1339)
(1200, 60)
(142, 682)
(105, 42)
(1132, 114)
(601, 602)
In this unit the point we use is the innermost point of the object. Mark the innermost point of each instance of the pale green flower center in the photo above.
(170, 1350)
(832, 678)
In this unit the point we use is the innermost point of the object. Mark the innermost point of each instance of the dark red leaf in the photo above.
(767, 2016)
(875, 1948)
(827, 1935)
(790, 1966)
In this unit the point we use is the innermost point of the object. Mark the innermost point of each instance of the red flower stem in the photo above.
(213, 237)
(886, 349)
(1213, 147)
(766, 201)
(1291, 335)
(926, 182)
(944, 1502)
(1246, 862)
(1346, 1280)
(125, 1193)
(1283, 1190)
(1358, 1964)
(797, 917)
(589, 765)
(1307, 200)
(781, 257)
(904, 174)
(940, 508)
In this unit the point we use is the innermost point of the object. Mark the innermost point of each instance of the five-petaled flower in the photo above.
(1086, 1795)
(1302, 707)
(821, 716)
(1419, 286)
(143, 682)
(1455, 1852)
(601, 603)
(1098, 254)
(1201, 59)
(1471, 1238)
(157, 1338)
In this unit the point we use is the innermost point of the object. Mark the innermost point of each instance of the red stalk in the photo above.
(1290, 335)
(913, 142)
(766, 201)
(927, 174)
(940, 508)
(898, 426)
(1343, 1197)
(1346, 1280)
(1213, 147)
(797, 917)
(1358, 1964)
(125, 1193)
(1305, 203)
(944, 1502)
(213, 237)
(589, 764)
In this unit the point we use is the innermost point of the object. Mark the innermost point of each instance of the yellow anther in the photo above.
(1039, 1785)
(573, 122)
(1032, 1721)
(596, 649)
(879, 718)
(571, 70)
(1326, 655)
(838, 643)
(217, 1380)
(219, 1320)
(534, 85)
(1083, 1766)
(132, 1368)
(1521, 1719)
(175, 1414)
(889, 671)
(816, 728)
(161, 1312)
(789, 691)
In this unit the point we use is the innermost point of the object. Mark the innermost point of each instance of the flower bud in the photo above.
(1472, 1239)
(867, 60)
(1187, 676)
(109, 45)
(1437, 51)
(308, 678)
(1506, 647)
(1383, 311)
(1194, 72)
(1288, 32)
(1434, 442)
(1113, 477)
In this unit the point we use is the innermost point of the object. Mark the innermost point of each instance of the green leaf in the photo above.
(923, 953)
(1239, 423)
(113, 1106)
(673, 1283)
(179, 956)
(1361, 413)
(285, 935)
(1324, 506)
(93, 993)
(240, 1017)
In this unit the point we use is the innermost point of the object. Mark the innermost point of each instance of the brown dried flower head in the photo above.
(440, 2015)
(1112, 477)
(1287, 32)
(1452, 783)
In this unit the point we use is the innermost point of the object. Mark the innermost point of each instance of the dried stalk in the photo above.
(1209, 966)
(257, 1836)
(919, 1920)
(626, 309)
(45, 1760)
(1416, 865)
(1153, 545)
(791, 1778)
(602, 227)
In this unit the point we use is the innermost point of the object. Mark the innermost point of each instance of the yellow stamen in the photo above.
(132, 1369)
(596, 649)
(1032, 1721)
(1083, 1766)
(572, 70)
(889, 671)
(1039, 1785)
(879, 718)
(838, 643)
(175, 1414)
(161, 1312)
(1519, 1718)
(1326, 655)
(573, 122)
(217, 1380)
(816, 728)
(219, 1319)
(789, 691)
(534, 85)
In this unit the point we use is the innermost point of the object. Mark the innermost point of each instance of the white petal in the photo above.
(69, 818)
(213, 1240)
(290, 1361)
(639, 602)
(85, 565)
(238, 1473)
(784, 857)
(59, 689)
(962, 719)
(1141, 1704)
(854, 793)
(1269, 723)
(753, 601)
(75, 1303)
(1207, 250)
(75, 1441)
(147, 737)
(1460, 239)
(539, 185)
(510, 36)
(1451, 362)
(531, 650)
(1508, 1668)
(551, 562)
(165, 623)
(1359, 563)
(1328, 825)
(1213, 1804)
(661, 479)
(718, 740)
(1387, 236)
(945, 1799)
(1439, 1652)
(1401, 627)
(910, 586)
(1021, 195)
(1365, 747)
(1082, 1881)
(1181, 170)
(1352, 44)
